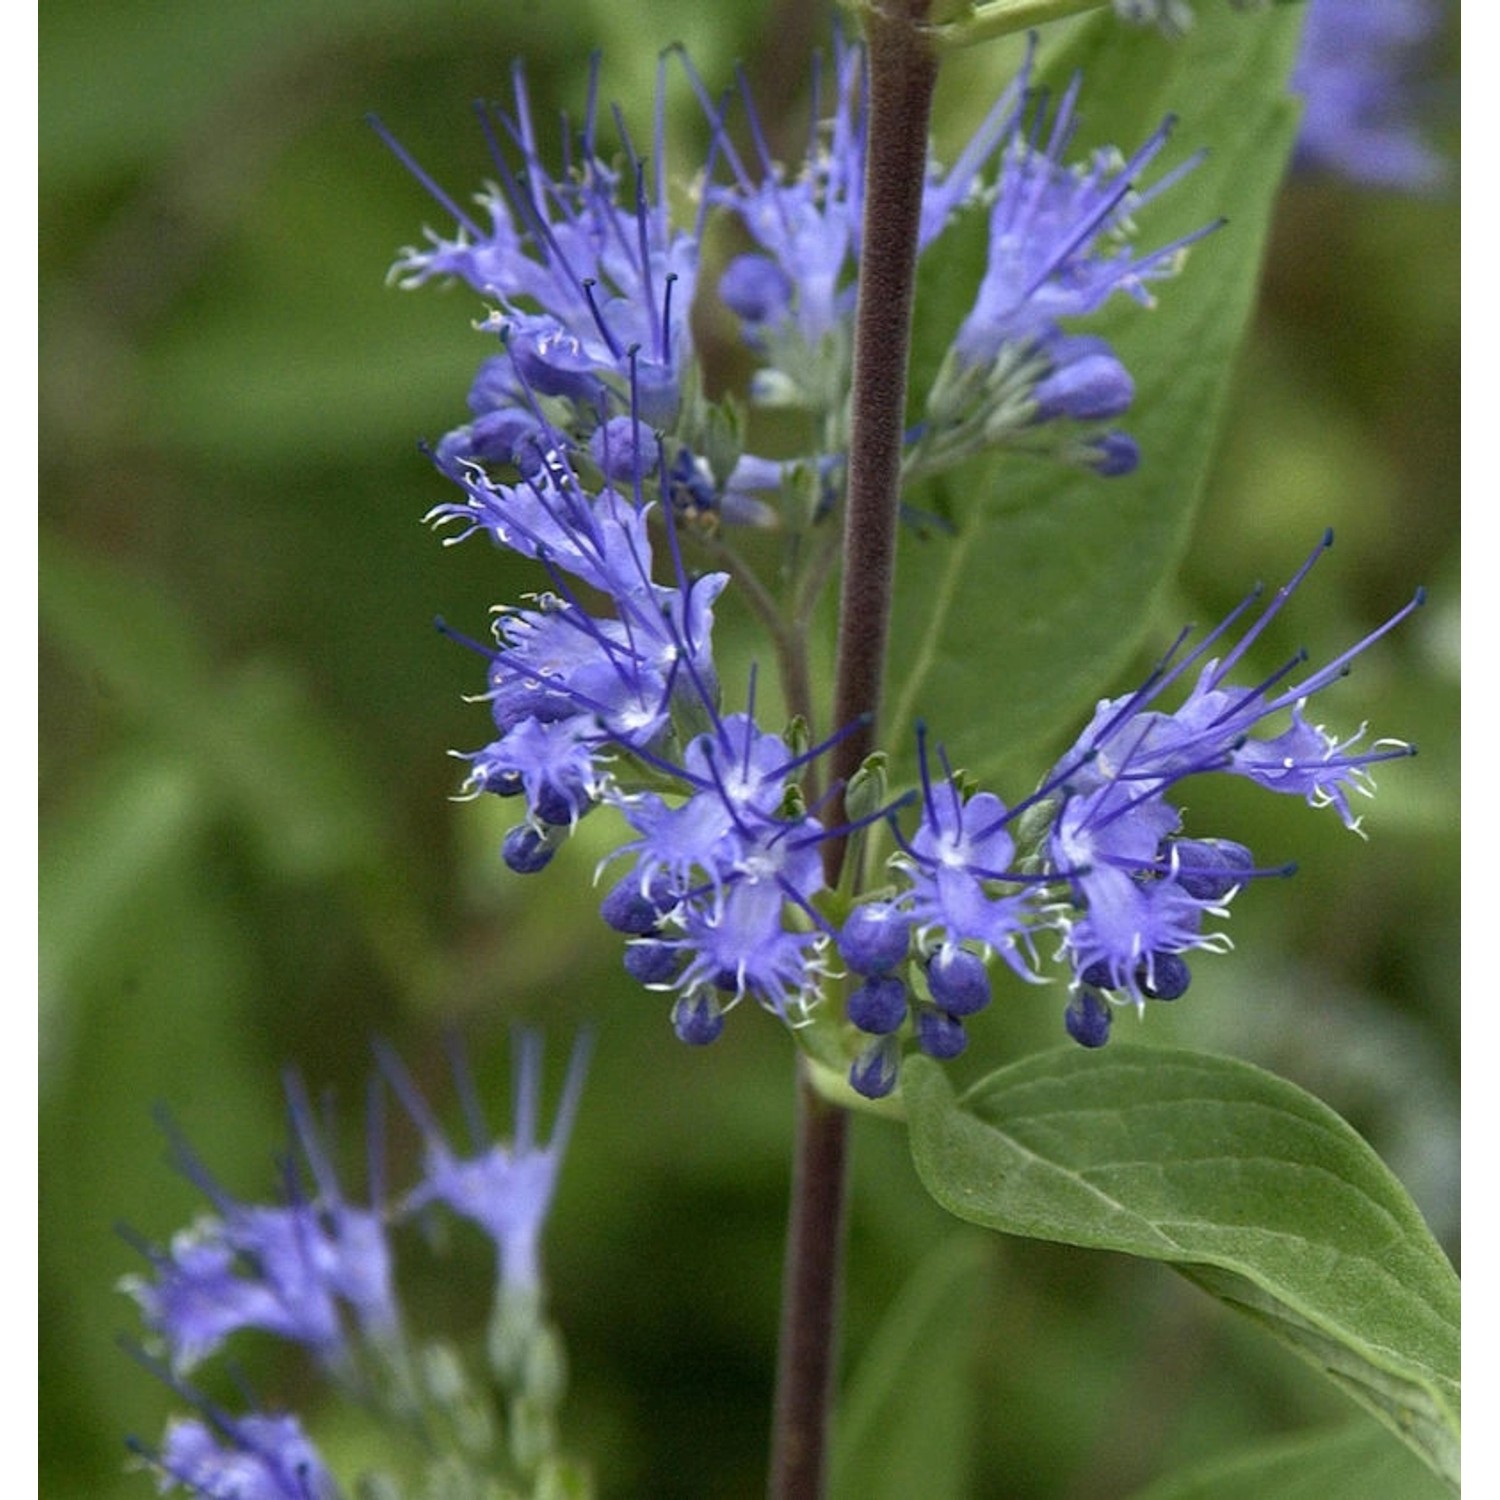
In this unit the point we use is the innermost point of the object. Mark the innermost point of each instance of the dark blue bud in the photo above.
(1208, 869)
(651, 961)
(1088, 389)
(560, 806)
(1087, 1019)
(527, 850)
(494, 437)
(1166, 977)
(1098, 975)
(697, 1019)
(1116, 453)
(879, 1005)
(875, 938)
(940, 1035)
(629, 909)
(755, 288)
(502, 783)
(690, 483)
(875, 1071)
(958, 981)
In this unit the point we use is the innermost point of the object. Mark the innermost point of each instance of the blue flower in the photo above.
(287, 1270)
(1058, 250)
(592, 283)
(567, 687)
(807, 225)
(922, 950)
(960, 869)
(723, 866)
(256, 1457)
(1138, 891)
(1354, 72)
(1056, 235)
(505, 1188)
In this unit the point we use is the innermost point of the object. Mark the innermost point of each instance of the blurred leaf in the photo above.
(906, 1423)
(255, 747)
(1357, 1462)
(1245, 1183)
(1005, 634)
(161, 1004)
(270, 756)
(115, 841)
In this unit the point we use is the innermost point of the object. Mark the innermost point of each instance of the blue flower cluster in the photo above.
(604, 690)
(1098, 853)
(591, 288)
(317, 1270)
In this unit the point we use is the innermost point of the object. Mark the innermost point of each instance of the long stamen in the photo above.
(1270, 612)
(1247, 696)
(1340, 664)
(418, 171)
(489, 653)
(861, 721)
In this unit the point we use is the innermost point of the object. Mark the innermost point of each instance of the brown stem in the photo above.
(810, 1298)
(903, 72)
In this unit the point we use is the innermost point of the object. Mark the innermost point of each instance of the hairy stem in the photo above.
(810, 1297)
(903, 72)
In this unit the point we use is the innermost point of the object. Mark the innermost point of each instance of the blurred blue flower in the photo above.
(256, 1457)
(1357, 72)
(504, 1187)
(317, 1271)
(287, 1270)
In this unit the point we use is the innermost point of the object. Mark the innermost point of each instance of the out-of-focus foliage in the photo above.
(249, 858)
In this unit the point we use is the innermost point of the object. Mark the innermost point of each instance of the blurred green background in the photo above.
(250, 858)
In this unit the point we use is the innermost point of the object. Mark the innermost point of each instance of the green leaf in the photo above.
(1246, 1184)
(1004, 634)
(906, 1424)
(1358, 1462)
(247, 745)
(258, 745)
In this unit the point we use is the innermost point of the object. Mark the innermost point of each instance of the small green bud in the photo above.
(533, 1434)
(723, 436)
(798, 736)
(866, 793)
(514, 1324)
(563, 1479)
(1032, 829)
(450, 1390)
(545, 1378)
